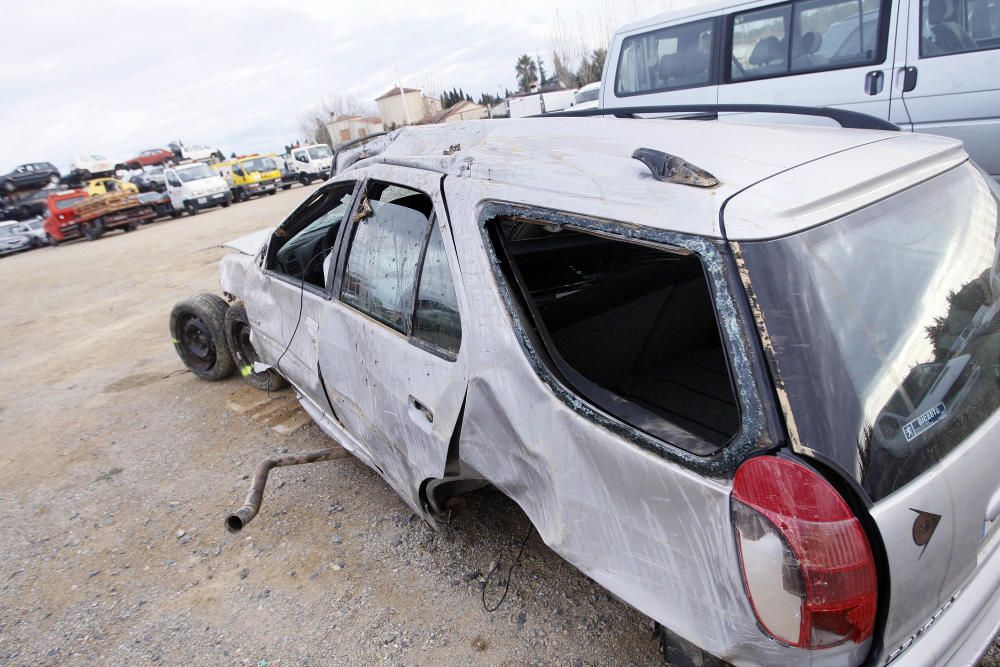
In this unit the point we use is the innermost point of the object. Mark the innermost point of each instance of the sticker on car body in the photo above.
(924, 422)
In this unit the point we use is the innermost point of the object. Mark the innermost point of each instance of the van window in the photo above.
(957, 26)
(805, 36)
(629, 328)
(391, 225)
(667, 59)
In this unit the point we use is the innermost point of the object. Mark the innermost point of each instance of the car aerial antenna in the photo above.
(847, 119)
(672, 169)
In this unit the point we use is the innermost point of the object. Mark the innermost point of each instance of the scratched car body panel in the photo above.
(521, 304)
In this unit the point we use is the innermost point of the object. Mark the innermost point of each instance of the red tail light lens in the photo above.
(807, 564)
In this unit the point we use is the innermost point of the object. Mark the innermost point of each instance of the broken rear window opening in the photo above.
(630, 328)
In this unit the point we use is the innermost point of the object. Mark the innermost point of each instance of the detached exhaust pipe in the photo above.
(244, 515)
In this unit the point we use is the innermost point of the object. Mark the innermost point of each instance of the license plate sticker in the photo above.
(202, 200)
(924, 422)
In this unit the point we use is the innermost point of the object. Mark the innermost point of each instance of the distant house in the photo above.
(349, 128)
(405, 106)
(463, 110)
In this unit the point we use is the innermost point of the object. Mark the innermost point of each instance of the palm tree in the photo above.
(527, 73)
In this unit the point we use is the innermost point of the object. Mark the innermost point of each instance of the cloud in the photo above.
(111, 78)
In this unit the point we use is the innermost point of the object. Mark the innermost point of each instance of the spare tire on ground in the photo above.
(197, 327)
(238, 337)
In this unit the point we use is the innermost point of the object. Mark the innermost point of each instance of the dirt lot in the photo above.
(116, 469)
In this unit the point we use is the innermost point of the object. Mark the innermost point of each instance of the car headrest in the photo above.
(937, 11)
(766, 50)
(808, 44)
(685, 63)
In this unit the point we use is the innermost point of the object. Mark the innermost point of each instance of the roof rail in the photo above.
(848, 119)
(355, 142)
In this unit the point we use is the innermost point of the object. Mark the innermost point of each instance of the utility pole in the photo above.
(402, 96)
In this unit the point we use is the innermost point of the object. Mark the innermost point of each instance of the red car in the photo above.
(150, 158)
(60, 222)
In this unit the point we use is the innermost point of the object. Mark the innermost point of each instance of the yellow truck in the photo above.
(250, 176)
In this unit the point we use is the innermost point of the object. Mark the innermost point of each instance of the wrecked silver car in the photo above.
(747, 381)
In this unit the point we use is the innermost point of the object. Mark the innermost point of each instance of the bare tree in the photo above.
(312, 121)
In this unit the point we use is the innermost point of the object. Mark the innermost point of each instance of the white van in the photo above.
(194, 186)
(313, 162)
(926, 65)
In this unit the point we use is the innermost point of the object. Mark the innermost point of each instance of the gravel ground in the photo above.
(117, 468)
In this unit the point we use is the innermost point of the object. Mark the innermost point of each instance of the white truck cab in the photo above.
(192, 187)
(310, 163)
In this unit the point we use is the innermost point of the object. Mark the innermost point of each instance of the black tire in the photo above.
(272, 192)
(174, 213)
(131, 227)
(286, 187)
(239, 195)
(238, 338)
(91, 231)
(226, 204)
(304, 180)
(191, 208)
(24, 212)
(53, 241)
(197, 328)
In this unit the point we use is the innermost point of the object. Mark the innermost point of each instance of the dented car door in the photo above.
(390, 342)
(290, 288)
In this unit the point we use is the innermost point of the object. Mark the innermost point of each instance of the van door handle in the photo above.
(909, 79)
(422, 408)
(874, 82)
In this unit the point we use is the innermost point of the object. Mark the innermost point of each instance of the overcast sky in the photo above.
(115, 78)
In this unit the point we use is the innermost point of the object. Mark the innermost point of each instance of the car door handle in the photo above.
(909, 79)
(423, 409)
(874, 82)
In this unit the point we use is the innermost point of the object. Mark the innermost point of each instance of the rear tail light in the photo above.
(807, 564)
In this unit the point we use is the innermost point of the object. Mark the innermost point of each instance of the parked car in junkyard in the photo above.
(151, 158)
(88, 166)
(744, 377)
(101, 186)
(33, 228)
(194, 152)
(195, 186)
(27, 205)
(30, 177)
(12, 241)
(151, 179)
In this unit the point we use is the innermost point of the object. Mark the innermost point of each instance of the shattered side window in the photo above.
(381, 274)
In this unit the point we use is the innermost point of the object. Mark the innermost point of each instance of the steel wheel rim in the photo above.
(196, 342)
(243, 350)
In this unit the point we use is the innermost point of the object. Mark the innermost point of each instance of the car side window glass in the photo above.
(299, 246)
(391, 227)
(674, 57)
(835, 33)
(949, 26)
(436, 320)
(759, 44)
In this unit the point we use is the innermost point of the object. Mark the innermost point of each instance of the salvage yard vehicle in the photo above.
(88, 166)
(250, 176)
(33, 228)
(102, 186)
(74, 214)
(311, 163)
(14, 240)
(745, 377)
(151, 158)
(30, 177)
(195, 186)
(926, 65)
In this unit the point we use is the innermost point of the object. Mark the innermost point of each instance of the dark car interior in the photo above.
(301, 244)
(632, 328)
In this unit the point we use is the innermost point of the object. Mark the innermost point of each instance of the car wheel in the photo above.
(91, 231)
(191, 208)
(304, 180)
(238, 339)
(272, 192)
(175, 213)
(53, 179)
(131, 227)
(53, 241)
(23, 212)
(8, 186)
(226, 204)
(197, 328)
(239, 195)
(286, 187)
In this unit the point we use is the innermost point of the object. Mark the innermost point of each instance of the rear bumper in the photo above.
(964, 629)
